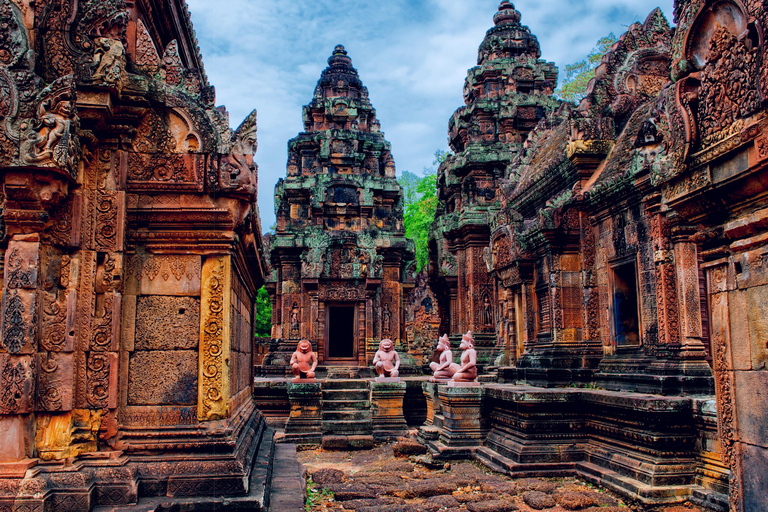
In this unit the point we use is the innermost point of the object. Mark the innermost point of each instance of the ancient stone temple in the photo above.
(608, 257)
(623, 253)
(505, 96)
(131, 246)
(340, 256)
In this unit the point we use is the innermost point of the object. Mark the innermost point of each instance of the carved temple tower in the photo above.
(505, 96)
(340, 256)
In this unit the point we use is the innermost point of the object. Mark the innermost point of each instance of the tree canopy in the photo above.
(263, 323)
(420, 196)
(577, 76)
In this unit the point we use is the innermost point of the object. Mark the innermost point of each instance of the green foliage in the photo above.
(263, 324)
(420, 196)
(316, 495)
(577, 76)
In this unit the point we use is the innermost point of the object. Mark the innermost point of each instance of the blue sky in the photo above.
(413, 56)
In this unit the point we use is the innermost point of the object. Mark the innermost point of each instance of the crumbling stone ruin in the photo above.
(607, 257)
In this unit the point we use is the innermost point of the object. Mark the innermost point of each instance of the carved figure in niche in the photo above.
(108, 60)
(467, 370)
(363, 259)
(304, 361)
(295, 317)
(487, 311)
(386, 319)
(386, 359)
(50, 139)
(443, 368)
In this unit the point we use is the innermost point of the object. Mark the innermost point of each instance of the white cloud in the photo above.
(412, 54)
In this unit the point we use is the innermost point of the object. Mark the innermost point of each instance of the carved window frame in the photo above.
(613, 267)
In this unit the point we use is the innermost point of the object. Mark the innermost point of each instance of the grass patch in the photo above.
(316, 495)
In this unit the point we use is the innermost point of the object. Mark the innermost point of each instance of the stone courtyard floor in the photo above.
(393, 477)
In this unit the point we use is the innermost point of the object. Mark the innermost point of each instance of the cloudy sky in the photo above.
(413, 56)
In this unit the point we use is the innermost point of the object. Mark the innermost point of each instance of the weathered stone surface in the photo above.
(16, 437)
(17, 384)
(577, 500)
(536, 484)
(170, 275)
(69, 434)
(377, 502)
(167, 323)
(444, 501)
(327, 476)
(476, 497)
(492, 506)
(406, 446)
(351, 491)
(538, 500)
(19, 321)
(163, 377)
(56, 381)
(751, 404)
(757, 298)
(755, 460)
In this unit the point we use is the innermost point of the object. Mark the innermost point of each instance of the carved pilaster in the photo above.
(687, 264)
(213, 380)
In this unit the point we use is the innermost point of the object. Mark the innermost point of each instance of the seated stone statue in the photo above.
(467, 370)
(304, 361)
(386, 359)
(442, 369)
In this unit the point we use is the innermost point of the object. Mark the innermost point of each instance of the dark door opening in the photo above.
(341, 333)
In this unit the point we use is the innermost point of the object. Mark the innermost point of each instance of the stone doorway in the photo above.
(340, 335)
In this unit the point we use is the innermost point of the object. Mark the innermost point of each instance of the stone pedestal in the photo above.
(430, 431)
(463, 429)
(305, 419)
(387, 410)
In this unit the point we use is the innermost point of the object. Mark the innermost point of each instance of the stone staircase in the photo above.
(346, 414)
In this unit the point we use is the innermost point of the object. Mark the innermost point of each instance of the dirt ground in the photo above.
(394, 477)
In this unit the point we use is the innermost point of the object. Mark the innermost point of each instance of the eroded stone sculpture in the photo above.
(386, 360)
(304, 361)
(467, 370)
(443, 368)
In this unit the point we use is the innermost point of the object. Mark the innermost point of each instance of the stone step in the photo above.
(272, 469)
(288, 488)
(346, 394)
(345, 384)
(342, 427)
(351, 442)
(342, 405)
(355, 415)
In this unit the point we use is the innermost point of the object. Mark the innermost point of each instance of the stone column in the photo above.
(387, 410)
(305, 419)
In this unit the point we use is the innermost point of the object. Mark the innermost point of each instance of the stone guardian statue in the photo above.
(467, 370)
(442, 369)
(386, 360)
(303, 362)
